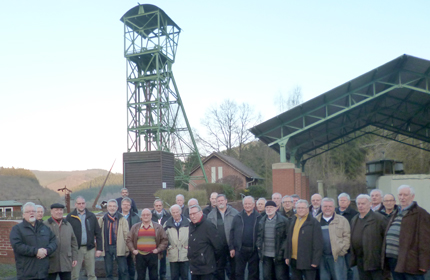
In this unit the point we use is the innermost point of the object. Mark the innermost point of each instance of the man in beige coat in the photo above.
(336, 235)
(114, 229)
(177, 230)
(66, 255)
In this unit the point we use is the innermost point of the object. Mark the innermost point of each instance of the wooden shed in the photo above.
(147, 172)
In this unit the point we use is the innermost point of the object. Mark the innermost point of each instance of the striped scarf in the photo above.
(112, 228)
(393, 235)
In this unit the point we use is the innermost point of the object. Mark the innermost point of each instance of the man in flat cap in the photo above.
(271, 238)
(66, 256)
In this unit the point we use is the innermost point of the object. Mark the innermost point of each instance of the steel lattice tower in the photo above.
(156, 118)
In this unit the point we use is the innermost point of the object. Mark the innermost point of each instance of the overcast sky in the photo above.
(63, 79)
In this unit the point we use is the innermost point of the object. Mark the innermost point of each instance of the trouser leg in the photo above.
(90, 264)
(220, 266)
(241, 260)
(184, 269)
(153, 266)
(65, 275)
(109, 257)
(77, 269)
(295, 273)
(281, 270)
(122, 267)
(162, 271)
(253, 266)
(141, 265)
(130, 266)
(268, 268)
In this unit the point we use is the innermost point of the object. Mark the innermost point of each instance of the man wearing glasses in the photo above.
(32, 242)
(388, 206)
(287, 207)
(202, 245)
(86, 229)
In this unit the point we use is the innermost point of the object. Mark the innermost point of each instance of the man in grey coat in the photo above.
(222, 217)
(65, 257)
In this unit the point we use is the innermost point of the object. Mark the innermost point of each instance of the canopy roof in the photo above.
(394, 97)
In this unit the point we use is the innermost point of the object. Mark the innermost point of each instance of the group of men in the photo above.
(283, 238)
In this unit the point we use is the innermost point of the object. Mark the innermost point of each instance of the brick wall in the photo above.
(6, 252)
(227, 170)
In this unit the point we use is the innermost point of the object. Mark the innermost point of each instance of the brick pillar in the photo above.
(298, 182)
(305, 189)
(283, 178)
(6, 251)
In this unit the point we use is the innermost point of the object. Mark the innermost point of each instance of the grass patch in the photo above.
(7, 270)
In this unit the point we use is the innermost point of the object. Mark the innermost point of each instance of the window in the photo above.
(219, 172)
(213, 174)
(9, 211)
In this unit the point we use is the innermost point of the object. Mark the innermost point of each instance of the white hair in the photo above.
(28, 204)
(406, 187)
(302, 201)
(180, 195)
(366, 196)
(344, 195)
(40, 206)
(262, 198)
(175, 205)
(114, 201)
(191, 199)
(243, 200)
(329, 199)
(377, 190)
(276, 193)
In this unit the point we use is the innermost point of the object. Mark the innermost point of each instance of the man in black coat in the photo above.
(212, 203)
(347, 212)
(272, 235)
(203, 245)
(32, 243)
(124, 193)
(243, 239)
(367, 235)
(160, 215)
(86, 229)
(305, 243)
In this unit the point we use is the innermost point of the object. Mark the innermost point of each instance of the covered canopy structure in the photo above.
(393, 98)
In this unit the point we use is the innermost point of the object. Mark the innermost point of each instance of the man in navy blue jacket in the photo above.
(32, 243)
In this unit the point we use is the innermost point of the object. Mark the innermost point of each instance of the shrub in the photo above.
(169, 196)
(257, 191)
(219, 188)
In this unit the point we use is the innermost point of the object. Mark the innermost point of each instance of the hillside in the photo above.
(89, 190)
(22, 185)
(55, 180)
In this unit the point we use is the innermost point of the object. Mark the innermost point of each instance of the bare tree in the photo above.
(295, 97)
(227, 127)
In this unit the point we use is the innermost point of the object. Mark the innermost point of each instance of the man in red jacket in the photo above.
(406, 246)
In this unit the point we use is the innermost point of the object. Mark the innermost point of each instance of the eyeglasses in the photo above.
(33, 211)
(192, 214)
(287, 201)
(389, 200)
